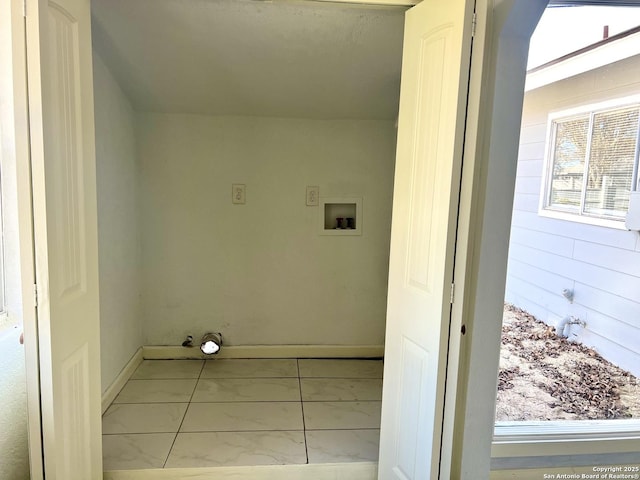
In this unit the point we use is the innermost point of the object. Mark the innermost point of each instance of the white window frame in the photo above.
(518, 447)
(546, 210)
(561, 443)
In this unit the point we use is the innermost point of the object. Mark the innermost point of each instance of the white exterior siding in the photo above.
(601, 265)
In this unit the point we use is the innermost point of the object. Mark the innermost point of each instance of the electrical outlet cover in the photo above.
(312, 196)
(238, 194)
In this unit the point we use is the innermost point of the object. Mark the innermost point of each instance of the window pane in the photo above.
(568, 162)
(613, 149)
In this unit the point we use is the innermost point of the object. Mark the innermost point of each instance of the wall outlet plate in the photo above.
(312, 196)
(238, 194)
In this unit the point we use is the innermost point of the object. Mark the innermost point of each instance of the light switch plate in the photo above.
(312, 196)
(238, 194)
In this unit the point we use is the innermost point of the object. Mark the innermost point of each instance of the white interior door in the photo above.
(435, 74)
(60, 88)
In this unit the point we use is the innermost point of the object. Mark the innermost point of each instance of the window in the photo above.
(592, 161)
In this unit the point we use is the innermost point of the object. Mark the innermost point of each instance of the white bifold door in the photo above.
(60, 91)
(431, 126)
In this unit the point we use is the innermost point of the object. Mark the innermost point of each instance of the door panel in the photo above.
(435, 74)
(65, 235)
(65, 181)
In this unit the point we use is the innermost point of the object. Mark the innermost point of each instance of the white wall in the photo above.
(260, 273)
(118, 226)
(546, 255)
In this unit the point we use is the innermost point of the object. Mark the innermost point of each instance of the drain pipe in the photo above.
(563, 329)
(562, 326)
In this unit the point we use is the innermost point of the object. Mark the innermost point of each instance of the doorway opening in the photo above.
(192, 99)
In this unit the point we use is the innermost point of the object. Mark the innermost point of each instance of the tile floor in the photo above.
(223, 412)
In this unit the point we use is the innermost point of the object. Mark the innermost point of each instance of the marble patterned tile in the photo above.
(338, 368)
(214, 449)
(143, 418)
(250, 368)
(246, 416)
(133, 452)
(156, 391)
(345, 389)
(247, 390)
(159, 369)
(337, 446)
(341, 415)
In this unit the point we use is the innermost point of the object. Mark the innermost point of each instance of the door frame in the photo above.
(496, 93)
(482, 233)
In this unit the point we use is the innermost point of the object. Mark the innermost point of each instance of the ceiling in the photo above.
(283, 58)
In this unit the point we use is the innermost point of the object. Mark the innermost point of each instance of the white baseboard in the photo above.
(329, 471)
(267, 351)
(110, 393)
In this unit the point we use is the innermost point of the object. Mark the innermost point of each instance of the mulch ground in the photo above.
(546, 377)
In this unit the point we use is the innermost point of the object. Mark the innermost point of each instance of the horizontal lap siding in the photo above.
(601, 265)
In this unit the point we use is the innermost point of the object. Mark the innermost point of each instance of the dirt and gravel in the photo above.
(546, 377)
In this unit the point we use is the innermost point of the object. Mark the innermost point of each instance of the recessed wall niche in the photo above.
(340, 216)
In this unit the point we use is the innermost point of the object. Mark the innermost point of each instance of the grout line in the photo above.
(343, 429)
(138, 433)
(171, 448)
(343, 401)
(245, 401)
(304, 427)
(240, 431)
(242, 402)
(326, 377)
(247, 378)
(278, 430)
(184, 416)
(146, 403)
(163, 378)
